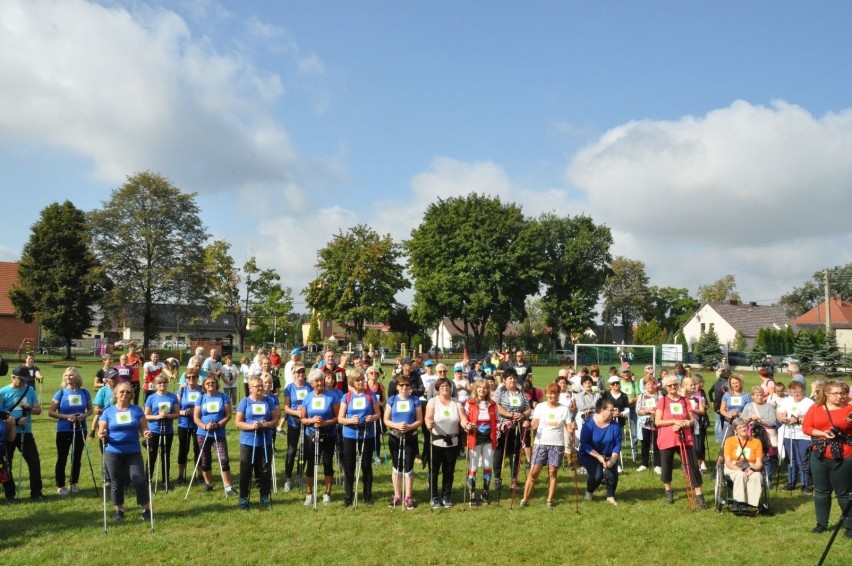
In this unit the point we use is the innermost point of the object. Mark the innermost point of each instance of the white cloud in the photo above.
(311, 65)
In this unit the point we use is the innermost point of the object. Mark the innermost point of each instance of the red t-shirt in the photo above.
(817, 418)
(673, 410)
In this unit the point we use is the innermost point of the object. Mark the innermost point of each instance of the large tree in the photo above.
(150, 235)
(473, 259)
(271, 309)
(223, 279)
(671, 308)
(802, 299)
(719, 291)
(625, 294)
(577, 258)
(358, 279)
(60, 278)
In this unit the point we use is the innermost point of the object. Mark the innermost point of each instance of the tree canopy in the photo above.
(60, 278)
(802, 299)
(625, 293)
(719, 291)
(473, 259)
(358, 279)
(150, 236)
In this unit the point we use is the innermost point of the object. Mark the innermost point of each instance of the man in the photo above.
(295, 360)
(20, 399)
(417, 389)
(769, 364)
(523, 367)
(152, 369)
(213, 364)
(715, 396)
(330, 366)
(796, 375)
(134, 360)
(33, 371)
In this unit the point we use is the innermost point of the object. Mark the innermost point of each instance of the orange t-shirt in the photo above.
(751, 451)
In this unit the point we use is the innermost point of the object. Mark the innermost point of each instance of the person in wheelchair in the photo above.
(744, 466)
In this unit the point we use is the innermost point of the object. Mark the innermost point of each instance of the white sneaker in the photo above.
(74, 488)
(287, 487)
(641, 469)
(309, 499)
(658, 470)
(326, 499)
(703, 467)
(62, 491)
(583, 471)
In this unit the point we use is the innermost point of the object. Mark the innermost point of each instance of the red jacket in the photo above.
(473, 416)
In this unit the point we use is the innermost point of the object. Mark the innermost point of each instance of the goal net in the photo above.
(636, 356)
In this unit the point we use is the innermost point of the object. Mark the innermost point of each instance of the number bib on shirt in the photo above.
(212, 406)
(300, 395)
(318, 403)
(258, 409)
(736, 401)
(164, 407)
(75, 400)
(676, 409)
(193, 396)
(650, 403)
(359, 404)
(514, 401)
(123, 417)
(403, 406)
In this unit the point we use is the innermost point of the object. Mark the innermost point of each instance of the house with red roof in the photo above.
(840, 312)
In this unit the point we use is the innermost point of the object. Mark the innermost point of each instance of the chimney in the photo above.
(752, 304)
(733, 302)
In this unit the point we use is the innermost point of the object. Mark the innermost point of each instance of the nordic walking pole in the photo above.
(687, 471)
(89, 459)
(253, 448)
(103, 476)
(836, 530)
(73, 446)
(198, 461)
(432, 480)
(150, 495)
(316, 463)
(360, 450)
(514, 471)
(266, 468)
(402, 469)
(163, 454)
(219, 458)
(273, 479)
(300, 464)
(503, 464)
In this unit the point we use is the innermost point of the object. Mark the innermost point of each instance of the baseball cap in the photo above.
(614, 379)
(428, 363)
(458, 367)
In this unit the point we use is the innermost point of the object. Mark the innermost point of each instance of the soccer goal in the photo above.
(618, 355)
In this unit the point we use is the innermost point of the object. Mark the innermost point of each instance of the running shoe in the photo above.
(806, 489)
(435, 503)
(243, 503)
(62, 491)
(326, 499)
(309, 499)
(641, 468)
(788, 487)
(229, 491)
(523, 503)
(409, 503)
(208, 487)
(395, 501)
(287, 486)
(551, 504)
(368, 500)
(588, 496)
(146, 515)
(447, 502)
(485, 498)
(119, 516)
(703, 467)
(498, 483)
(74, 488)
(658, 470)
(669, 497)
(266, 502)
(819, 529)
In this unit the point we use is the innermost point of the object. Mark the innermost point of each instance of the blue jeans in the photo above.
(796, 451)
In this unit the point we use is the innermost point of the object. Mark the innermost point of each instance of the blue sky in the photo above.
(713, 138)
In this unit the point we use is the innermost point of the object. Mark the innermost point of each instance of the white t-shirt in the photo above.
(288, 373)
(461, 392)
(551, 424)
(793, 408)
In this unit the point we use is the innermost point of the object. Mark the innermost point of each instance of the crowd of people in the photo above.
(338, 415)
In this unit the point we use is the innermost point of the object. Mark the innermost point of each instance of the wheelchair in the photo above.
(723, 489)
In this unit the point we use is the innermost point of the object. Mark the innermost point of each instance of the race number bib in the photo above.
(627, 388)
(212, 406)
(676, 409)
(300, 395)
(446, 412)
(403, 406)
(123, 418)
(193, 396)
(514, 401)
(794, 410)
(736, 400)
(164, 407)
(650, 403)
(318, 403)
(359, 404)
(693, 403)
(75, 400)
(744, 452)
(258, 409)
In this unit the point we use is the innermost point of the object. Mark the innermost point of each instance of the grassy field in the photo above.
(207, 527)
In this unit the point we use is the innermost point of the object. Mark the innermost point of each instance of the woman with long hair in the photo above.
(71, 405)
(481, 414)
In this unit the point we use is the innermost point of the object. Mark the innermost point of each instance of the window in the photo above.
(702, 328)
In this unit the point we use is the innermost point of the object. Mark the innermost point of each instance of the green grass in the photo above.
(208, 527)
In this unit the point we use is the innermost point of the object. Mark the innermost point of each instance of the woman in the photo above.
(462, 384)
(188, 396)
(230, 371)
(20, 399)
(816, 388)
(403, 416)
(7, 435)
(101, 373)
(359, 409)
(119, 428)
(767, 384)
(733, 402)
(699, 411)
(444, 419)
(743, 464)
(481, 414)
(376, 387)
(294, 395)
(553, 429)
(256, 420)
(566, 396)
(600, 449)
(619, 400)
(702, 420)
(761, 414)
(597, 380)
(513, 411)
(211, 414)
(646, 408)
(161, 410)
(70, 406)
(794, 440)
(319, 416)
(674, 421)
(829, 424)
(586, 400)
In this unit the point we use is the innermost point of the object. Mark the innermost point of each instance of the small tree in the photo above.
(738, 344)
(830, 355)
(684, 346)
(314, 336)
(650, 332)
(708, 350)
(805, 349)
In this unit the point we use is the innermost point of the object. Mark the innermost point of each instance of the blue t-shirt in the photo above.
(161, 405)
(359, 406)
(604, 441)
(70, 403)
(123, 429)
(213, 408)
(295, 395)
(736, 402)
(103, 398)
(403, 410)
(254, 412)
(9, 396)
(188, 398)
(324, 406)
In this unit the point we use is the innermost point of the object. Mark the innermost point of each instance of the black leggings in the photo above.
(649, 441)
(350, 461)
(186, 438)
(64, 442)
(444, 462)
(254, 459)
(513, 450)
(394, 444)
(327, 445)
(293, 439)
(156, 444)
(26, 444)
(667, 463)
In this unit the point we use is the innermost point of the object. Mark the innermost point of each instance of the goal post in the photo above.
(605, 355)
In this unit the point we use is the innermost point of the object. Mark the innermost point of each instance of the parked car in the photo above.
(175, 345)
(565, 356)
(122, 344)
(787, 360)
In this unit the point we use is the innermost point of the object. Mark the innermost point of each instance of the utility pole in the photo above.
(827, 304)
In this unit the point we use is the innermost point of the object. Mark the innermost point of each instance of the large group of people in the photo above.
(339, 417)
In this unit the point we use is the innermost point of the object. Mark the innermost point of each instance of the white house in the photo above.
(728, 318)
